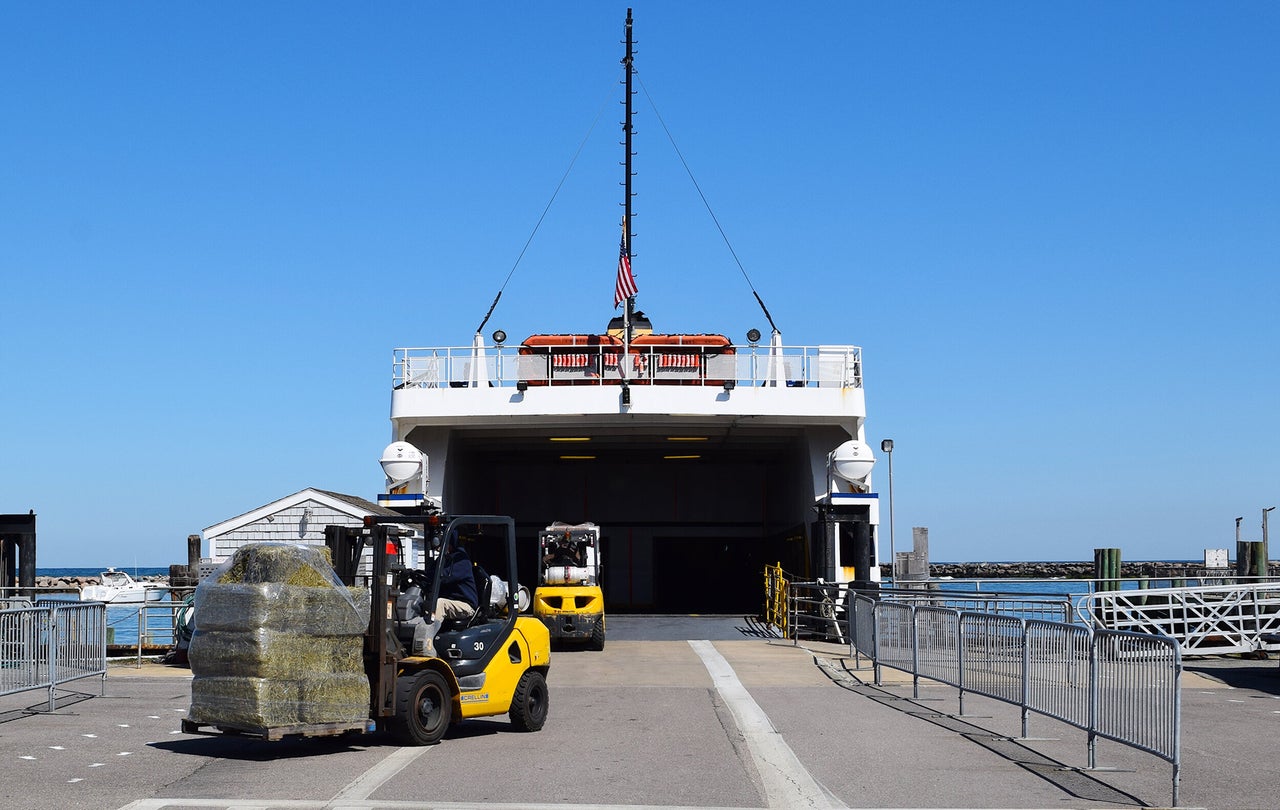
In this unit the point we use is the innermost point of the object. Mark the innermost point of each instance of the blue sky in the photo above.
(1052, 227)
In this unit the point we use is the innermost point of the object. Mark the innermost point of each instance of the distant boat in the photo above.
(117, 587)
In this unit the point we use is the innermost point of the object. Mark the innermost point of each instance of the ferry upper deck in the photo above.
(701, 460)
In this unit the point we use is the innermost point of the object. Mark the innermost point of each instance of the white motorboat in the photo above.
(117, 587)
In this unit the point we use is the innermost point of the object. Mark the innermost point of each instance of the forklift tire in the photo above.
(529, 703)
(597, 636)
(423, 708)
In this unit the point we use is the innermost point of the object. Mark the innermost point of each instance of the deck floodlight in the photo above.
(753, 336)
(522, 385)
(499, 337)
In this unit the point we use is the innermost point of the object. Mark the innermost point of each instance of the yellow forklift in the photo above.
(424, 673)
(494, 663)
(568, 599)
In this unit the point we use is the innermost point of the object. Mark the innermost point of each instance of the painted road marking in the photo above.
(363, 786)
(787, 783)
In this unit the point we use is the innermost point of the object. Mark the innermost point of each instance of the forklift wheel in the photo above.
(423, 706)
(529, 703)
(597, 636)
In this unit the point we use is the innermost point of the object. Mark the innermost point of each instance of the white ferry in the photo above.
(703, 457)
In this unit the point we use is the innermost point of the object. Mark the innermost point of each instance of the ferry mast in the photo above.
(630, 305)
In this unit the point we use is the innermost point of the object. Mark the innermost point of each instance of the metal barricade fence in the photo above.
(46, 646)
(79, 636)
(895, 636)
(1119, 685)
(862, 627)
(25, 654)
(1136, 686)
(1059, 672)
(992, 650)
(937, 653)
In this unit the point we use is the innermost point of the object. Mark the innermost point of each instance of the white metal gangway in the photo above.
(1211, 620)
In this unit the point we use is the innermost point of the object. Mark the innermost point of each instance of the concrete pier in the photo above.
(677, 712)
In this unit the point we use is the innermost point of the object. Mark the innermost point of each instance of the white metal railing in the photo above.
(1114, 684)
(49, 645)
(504, 366)
(1213, 620)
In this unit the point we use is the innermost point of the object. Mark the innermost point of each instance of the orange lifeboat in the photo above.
(682, 359)
(570, 359)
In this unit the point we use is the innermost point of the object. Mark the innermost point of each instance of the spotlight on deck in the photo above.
(753, 336)
(499, 337)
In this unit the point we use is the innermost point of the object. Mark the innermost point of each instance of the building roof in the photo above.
(350, 504)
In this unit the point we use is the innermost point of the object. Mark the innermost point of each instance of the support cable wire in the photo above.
(714, 219)
(538, 224)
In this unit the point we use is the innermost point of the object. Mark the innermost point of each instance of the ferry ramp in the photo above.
(677, 712)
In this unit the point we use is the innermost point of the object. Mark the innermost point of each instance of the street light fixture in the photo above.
(886, 446)
(1266, 550)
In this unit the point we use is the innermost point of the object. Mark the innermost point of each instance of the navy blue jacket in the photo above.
(457, 580)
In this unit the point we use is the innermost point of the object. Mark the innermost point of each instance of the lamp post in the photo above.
(1266, 550)
(887, 447)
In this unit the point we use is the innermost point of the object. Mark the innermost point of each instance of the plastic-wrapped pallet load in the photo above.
(278, 642)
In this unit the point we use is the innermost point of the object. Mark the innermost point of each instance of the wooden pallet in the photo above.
(274, 733)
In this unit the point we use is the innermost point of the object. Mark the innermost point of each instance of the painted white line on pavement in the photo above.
(363, 786)
(787, 783)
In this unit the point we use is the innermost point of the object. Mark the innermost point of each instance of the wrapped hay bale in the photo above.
(276, 606)
(277, 702)
(278, 641)
(266, 653)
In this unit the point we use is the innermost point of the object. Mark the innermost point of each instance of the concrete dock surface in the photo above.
(676, 712)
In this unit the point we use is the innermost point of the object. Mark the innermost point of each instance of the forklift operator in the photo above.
(458, 598)
(564, 553)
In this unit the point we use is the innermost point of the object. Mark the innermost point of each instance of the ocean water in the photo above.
(135, 571)
(156, 619)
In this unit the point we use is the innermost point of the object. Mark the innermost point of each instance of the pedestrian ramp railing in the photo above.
(819, 610)
(1112, 684)
(52, 644)
(1209, 620)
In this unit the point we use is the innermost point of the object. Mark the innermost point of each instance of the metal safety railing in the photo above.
(1114, 684)
(1211, 620)
(49, 645)
(818, 609)
(775, 598)
(601, 364)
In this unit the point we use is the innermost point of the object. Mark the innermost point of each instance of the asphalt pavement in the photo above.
(705, 712)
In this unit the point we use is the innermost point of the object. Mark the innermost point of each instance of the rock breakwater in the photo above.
(1058, 570)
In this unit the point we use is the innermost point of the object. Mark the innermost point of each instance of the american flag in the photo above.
(626, 284)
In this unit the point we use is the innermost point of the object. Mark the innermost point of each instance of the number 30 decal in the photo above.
(479, 646)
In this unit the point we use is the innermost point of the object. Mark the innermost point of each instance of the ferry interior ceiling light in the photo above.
(570, 438)
(686, 438)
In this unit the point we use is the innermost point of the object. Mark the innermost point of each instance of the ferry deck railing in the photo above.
(713, 366)
(1112, 684)
(46, 646)
(1212, 620)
